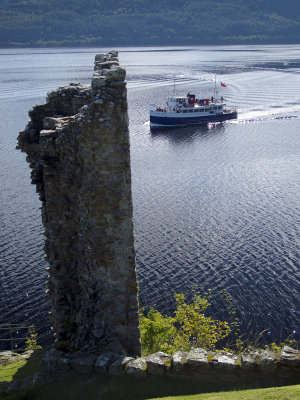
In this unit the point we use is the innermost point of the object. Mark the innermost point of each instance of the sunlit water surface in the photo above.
(215, 206)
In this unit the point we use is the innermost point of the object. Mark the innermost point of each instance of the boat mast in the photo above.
(215, 91)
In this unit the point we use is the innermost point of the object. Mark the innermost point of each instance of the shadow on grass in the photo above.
(102, 387)
(19, 369)
(31, 366)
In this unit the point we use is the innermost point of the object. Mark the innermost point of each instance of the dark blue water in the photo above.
(217, 206)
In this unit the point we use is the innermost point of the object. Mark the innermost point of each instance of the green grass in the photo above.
(7, 372)
(20, 369)
(278, 393)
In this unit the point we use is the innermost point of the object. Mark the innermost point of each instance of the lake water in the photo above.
(215, 206)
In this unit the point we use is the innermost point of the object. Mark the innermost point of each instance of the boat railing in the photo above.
(226, 109)
(229, 109)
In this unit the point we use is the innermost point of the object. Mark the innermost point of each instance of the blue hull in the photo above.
(175, 121)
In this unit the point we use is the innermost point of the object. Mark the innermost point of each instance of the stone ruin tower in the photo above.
(77, 145)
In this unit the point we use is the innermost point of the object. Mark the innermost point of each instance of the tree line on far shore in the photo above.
(145, 22)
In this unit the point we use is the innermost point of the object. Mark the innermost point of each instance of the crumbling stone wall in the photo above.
(77, 145)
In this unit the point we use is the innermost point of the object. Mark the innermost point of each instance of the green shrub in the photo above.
(189, 327)
(31, 341)
(157, 332)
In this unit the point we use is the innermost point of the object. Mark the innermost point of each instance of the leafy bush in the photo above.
(188, 327)
(31, 341)
(157, 332)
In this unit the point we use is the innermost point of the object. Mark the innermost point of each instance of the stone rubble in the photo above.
(158, 364)
(197, 357)
(117, 368)
(290, 357)
(7, 357)
(103, 361)
(224, 359)
(250, 358)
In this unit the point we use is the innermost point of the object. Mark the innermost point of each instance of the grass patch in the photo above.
(7, 372)
(278, 393)
(21, 369)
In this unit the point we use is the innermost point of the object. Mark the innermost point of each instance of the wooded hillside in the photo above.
(145, 22)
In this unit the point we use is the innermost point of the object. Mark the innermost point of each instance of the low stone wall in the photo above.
(222, 369)
(218, 371)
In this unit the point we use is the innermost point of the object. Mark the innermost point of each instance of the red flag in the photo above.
(223, 84)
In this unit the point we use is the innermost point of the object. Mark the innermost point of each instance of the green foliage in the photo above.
(31, 341)
(157, 332)
(239, 343)
(196, 329)
(189, 327)
(277, 347)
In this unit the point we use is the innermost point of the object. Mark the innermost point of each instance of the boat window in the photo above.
(185, 111)
(201, 109)
(207, 109)
(191, 110)
(220, 107)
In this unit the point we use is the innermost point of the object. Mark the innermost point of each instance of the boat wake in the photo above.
(275, 113)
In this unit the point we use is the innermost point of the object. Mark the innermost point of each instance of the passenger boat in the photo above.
(180, 111)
